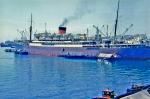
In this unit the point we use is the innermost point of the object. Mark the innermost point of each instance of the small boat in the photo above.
(76, 56)
(135, 92)
(106, 94)
(107, 56)
(10, 50)
(7, 50)
(135, 88)
(21, 52)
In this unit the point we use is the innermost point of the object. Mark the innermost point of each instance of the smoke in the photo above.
(84, 7)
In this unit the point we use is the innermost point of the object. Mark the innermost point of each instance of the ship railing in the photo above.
(121, 45)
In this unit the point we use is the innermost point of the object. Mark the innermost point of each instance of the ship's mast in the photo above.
(45, 28)
(87, 34)
(31, 29)
(107, 32)
(116, 22)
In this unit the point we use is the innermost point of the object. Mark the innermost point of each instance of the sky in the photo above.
(81, 14)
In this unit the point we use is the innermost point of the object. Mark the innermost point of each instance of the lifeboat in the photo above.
(106, 94)
(21, 52)
(107, 56)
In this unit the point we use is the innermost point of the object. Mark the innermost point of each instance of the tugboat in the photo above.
(106, 94)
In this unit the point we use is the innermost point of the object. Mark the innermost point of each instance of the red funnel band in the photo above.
(62, 32)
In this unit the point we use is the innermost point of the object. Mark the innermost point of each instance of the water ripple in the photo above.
(32, 77)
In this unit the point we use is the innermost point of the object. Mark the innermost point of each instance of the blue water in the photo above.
(40, 77)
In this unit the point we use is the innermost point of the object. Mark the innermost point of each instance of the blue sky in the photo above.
(15, 14)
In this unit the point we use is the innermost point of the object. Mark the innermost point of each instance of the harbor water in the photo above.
(41, 77)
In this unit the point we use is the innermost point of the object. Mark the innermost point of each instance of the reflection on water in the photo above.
(59, 78)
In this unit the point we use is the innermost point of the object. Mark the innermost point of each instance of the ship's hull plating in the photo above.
(90, 52)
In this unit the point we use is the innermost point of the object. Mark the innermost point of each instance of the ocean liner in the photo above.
(83, 46)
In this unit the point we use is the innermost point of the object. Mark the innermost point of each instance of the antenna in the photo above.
(116, 23)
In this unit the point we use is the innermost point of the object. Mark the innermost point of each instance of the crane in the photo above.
(23, 34)
(97, 33)
(98, 30)
(127, 29)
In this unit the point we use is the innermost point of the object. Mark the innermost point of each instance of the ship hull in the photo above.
(90, 52)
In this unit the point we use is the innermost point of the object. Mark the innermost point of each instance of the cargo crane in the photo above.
(126, 30)
(107, 35)
(23, 34)
(98, 36)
